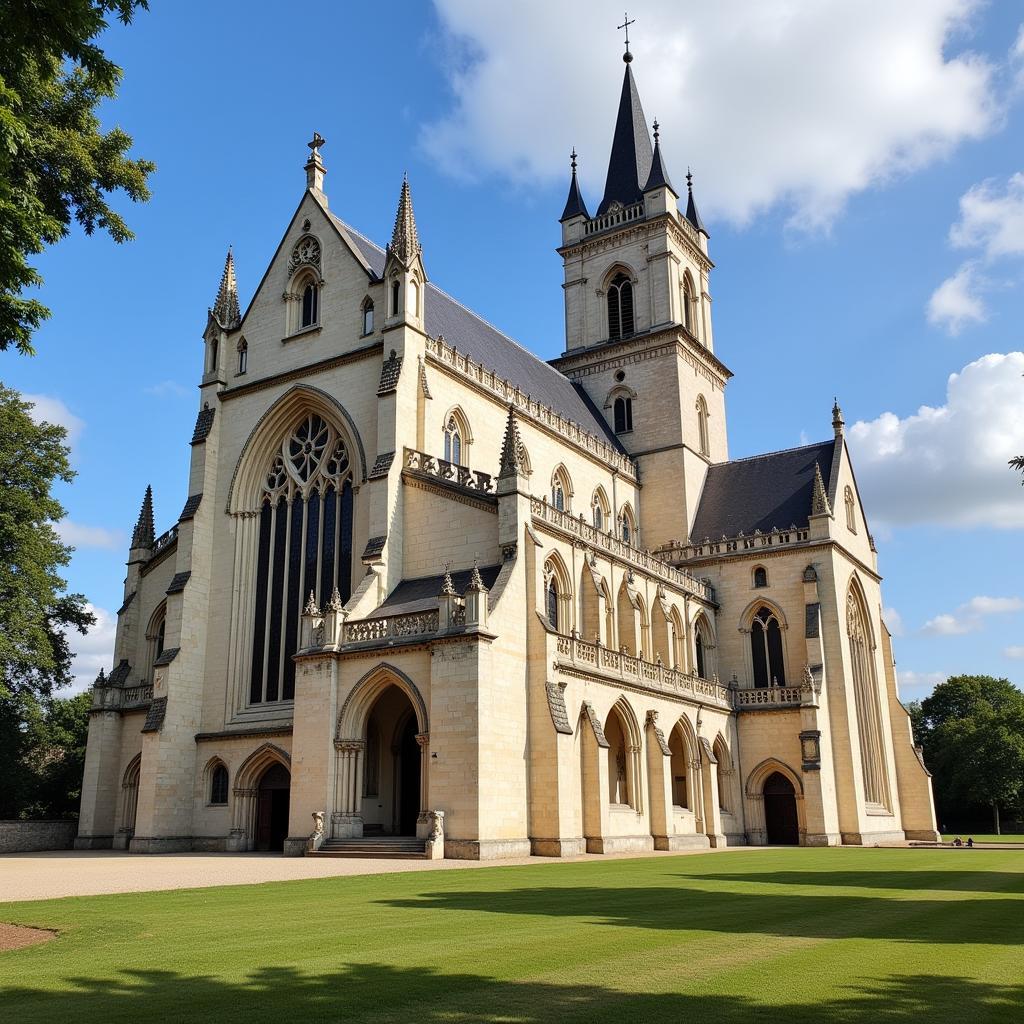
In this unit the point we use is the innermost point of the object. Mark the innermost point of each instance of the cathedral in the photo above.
(430, 595)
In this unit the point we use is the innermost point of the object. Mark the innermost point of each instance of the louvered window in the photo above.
(620, 308)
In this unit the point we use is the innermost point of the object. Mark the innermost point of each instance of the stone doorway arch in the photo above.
(270, 828)
(780, 816)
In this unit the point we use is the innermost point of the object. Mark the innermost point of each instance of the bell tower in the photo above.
(638, 335)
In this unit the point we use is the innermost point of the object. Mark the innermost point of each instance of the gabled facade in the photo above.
(426, 585)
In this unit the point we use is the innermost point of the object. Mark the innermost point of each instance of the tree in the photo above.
(35, 611)
(1017, 462)
(974, 742)
(55, 164)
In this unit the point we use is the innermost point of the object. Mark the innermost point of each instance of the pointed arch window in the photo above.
(561, 490)
(623, 414)
(599, 509)
(851, 515)
(703, 648)
(760, 577)
(219, 785)
(368, 317)
(620, 307)
(309, 313)
(156, 636)
(627, 525)
(766, 649)
(551, 603)
(396, 295)
(688, 303)
(304, 545)
(865, 692)
(703, 438)
(243, 356)
(214, 353)
(453, 442)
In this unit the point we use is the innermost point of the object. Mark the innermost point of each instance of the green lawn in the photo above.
(844, 935)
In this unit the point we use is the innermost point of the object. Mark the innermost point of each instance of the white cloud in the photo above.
(948, 465)
(957, 301)
(80, 536)
(1014, 651)
(968, 617)
(798, 102)
(893, 620)
(48, 409)
(910, 680)
(167, 389)
(93, 651)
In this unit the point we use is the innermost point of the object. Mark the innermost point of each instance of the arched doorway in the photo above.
(393, 772)
(781, 822)
(272, 800)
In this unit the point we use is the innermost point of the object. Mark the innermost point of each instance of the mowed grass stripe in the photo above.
(848, 935)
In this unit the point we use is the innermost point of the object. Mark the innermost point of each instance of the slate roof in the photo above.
(421, 593)
(574, 203)
(629, 165)
(760, 492)
(484, 343)
(658, 176)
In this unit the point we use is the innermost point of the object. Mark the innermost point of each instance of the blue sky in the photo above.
(855, 165)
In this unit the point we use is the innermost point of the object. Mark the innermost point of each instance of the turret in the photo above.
(575, 214)
(660, 195)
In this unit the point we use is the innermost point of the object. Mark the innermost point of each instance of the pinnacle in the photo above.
(476, 581)
(225, 309)
(447, 585)
(145, 531)
(405, 243)
(511, 447)
(819, 498)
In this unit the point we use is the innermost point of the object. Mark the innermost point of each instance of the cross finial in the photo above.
(689, 180)
(315, 143)
(656, 127)
(626, 22)
(572, 157)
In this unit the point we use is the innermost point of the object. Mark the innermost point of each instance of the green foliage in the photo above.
(1017, 462)
(916, 721)
(56, 165)
(973, 738)
(35, 612)
(42, 754)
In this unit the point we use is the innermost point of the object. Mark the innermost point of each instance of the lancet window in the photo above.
(766, 649)
(865, 691)
(620, 307)
(305, 544)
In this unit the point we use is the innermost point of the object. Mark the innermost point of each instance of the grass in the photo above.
(1014, 838)
(847, 935)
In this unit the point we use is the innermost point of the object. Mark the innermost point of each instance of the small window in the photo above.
(558, 495)
(214, 351)
(561, 490)
(623, 414)
(688, 304)
(760, 577)
(703, 438)
(396, 291)
(552, 603)
(310, 313)
(628, 526)
(699, 642)
(243, 356)
(620, 307)
(219, 785)
(453, 442)
(368, 317)
(851, 515)
(598, 516)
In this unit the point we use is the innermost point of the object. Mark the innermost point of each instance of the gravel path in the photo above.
(42, 876)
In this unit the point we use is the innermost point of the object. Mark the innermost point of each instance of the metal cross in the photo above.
(625, 25)
(316, 142)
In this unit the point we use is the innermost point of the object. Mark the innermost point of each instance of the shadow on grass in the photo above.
(912, 881)
(797, 915)
(365, 992)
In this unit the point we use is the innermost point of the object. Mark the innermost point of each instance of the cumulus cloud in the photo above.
(799, 102)
(947, 465)
(957, 301)
(991, 225)
(969, 617)
(80, 536)
(910, 680)
(93, 651)
(893, 620)
(48, 409)
(1014, 651)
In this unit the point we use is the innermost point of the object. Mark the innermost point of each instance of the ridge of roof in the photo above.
(770, 455)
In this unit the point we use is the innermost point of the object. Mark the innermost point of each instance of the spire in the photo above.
(315, 169)
(658, 178)
(691, 207)
(511, 447)
(837, 418)
(819, 499)
(225, 308)
(447, 584)
(145, 532)
(405, 243)
(574, 205)
(630, 163)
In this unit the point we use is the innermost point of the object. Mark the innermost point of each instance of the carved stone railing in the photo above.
(511, 393)
(588, 657)
(643, 560)
(624, 215)
(391, 627)
(164, 540)
(460, 476)
(141, 693)
(768, 697)
(774, 538)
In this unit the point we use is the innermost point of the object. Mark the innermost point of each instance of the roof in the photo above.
(574, 203)
(629, 165)
(760, 492)
(420, 594)
(658, 176)
(484, 343)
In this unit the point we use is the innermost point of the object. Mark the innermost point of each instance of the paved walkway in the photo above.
(42, 876)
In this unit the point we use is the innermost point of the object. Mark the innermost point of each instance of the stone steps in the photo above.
(383, 847)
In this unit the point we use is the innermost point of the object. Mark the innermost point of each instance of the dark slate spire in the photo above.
(574, 205)
(691, 207)
(658, 177)
(225, 309)
(145, 531)
(629, 166)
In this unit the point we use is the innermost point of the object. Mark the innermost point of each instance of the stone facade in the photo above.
(425, 584)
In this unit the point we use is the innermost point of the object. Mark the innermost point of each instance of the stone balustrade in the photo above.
(391, 627)
(615, 218)
(676, 552)
(512, 394)
(166, 539)
(141, 693)
(750, 699)
(593, 658)
(643, 560)
(448, 472)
